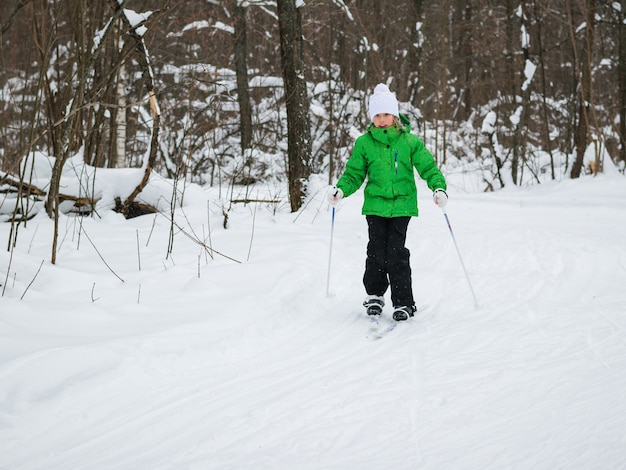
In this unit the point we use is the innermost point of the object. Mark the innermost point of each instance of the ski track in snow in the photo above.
(252, 366)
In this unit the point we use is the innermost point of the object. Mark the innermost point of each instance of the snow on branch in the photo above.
(136, 20)
(136, 29)
(341, 4)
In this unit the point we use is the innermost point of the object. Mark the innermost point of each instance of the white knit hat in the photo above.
(383, 101)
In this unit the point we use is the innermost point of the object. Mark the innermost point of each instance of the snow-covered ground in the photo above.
(189, 362)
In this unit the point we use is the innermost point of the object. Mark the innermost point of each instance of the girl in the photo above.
(386, 155)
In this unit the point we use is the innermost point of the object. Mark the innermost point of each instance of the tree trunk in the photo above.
(545, 114)
(621, 73)
(241, 70)
(465, 59)
(581, 137)
(296, 100)
(120, 119)
(519, 145)
(414, 57)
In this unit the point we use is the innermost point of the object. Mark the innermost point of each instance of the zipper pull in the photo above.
(395, 157)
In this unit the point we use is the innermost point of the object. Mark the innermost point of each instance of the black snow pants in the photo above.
(387, 262)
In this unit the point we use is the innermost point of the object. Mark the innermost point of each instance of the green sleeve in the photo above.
(426, 167)
(356, 170)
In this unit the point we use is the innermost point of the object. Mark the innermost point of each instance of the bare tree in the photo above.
(241, 69)
(64, 128)
(622, 80)
(545, 111)
(584, 72)
(521, 113)
(128, 206)
(296, 100)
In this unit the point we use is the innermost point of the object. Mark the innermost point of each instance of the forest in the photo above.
(239, 92)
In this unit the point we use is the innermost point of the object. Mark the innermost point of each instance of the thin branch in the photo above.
(138, 252)
(33, 280)
(202, 244)
(252, 234)
(93, 287)
(105, 263)
(6, 279)
(208, 217)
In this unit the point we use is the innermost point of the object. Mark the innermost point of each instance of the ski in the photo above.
(373, 324)
(380, 334)
(377, 331)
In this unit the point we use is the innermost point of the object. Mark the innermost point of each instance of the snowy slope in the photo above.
(199, 363)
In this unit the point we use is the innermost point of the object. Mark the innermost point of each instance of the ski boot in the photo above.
(403, 313)
(374, 304)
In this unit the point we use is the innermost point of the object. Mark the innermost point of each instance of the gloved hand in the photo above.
(440, 197)
(334, 195)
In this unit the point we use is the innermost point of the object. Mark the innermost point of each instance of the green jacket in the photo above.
(387, 158)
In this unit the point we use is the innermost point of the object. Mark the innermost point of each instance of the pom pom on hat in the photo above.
(383, 101)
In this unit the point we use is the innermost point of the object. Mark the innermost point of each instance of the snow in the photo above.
(99, 35)
(265, 82)
(489, 123)
(82, 180)
(224, 27)
(136, 19)
(525, 38)
(529, 72)
(341, 4)
(200, 362)
(516, 116)
(196, 25)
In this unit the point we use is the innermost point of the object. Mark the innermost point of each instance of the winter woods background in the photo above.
(236, 92)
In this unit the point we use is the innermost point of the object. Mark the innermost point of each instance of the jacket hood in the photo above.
(405, 121)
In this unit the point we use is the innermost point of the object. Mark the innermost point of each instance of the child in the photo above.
(386, 155)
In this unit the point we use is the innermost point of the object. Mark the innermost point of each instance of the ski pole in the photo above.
(330, 251)
(445, 214)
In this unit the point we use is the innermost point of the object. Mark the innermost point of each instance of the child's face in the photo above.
(383, 120)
